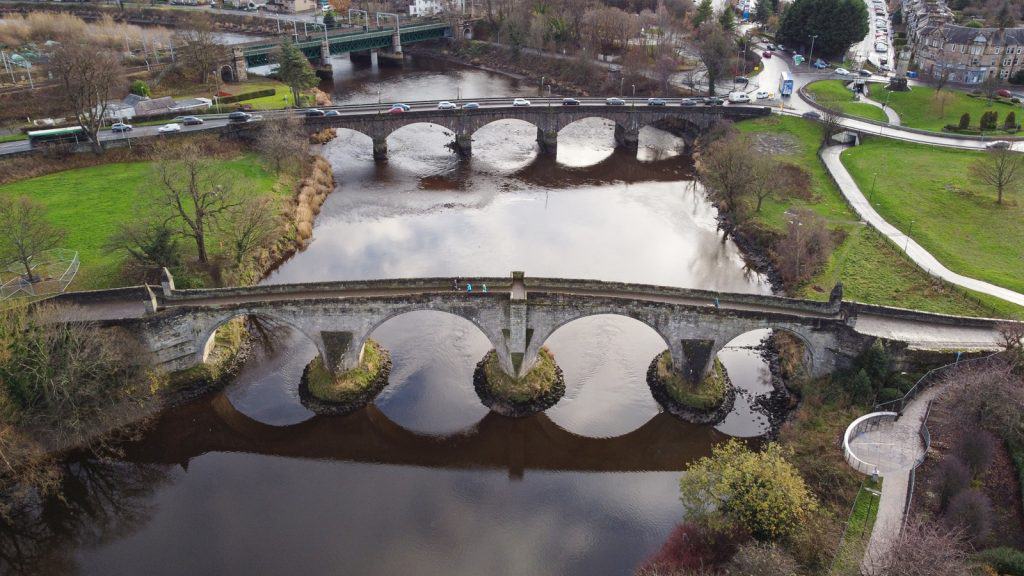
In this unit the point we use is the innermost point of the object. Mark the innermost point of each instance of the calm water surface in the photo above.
(425, 480)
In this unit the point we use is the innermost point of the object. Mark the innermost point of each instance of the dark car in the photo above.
(570, 102)
(189, 120)
(470, 106)
(713, 101)
(239, 116)
(741, 80)
(332, 113)
(811, 115)
(687, 102)
(771, 47)
(315, 112)
(864, 73)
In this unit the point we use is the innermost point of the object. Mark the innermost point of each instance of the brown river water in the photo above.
(425, 481)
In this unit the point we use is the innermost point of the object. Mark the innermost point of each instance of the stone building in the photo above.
(969, 55)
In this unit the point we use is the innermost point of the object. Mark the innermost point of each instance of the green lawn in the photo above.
(834, 94)
(919, 108)
(870, 268)
(954, 218)
(13, 137)
(858, 529)
(281, 99)
(91, 203)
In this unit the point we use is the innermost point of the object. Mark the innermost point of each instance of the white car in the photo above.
(445, 105)
(762, 94)
(520, 102)
(738, 97)
(167, 128)
(842, 71)
(881, 47)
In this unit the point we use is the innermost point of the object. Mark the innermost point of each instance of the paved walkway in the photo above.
(891, 114)
(914, 251)
(895, 449)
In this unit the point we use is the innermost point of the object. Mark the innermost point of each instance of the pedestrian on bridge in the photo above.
(485, 288)
(455, 284)
(469, 287)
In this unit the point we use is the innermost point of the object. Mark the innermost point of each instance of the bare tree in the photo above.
(194, 191)
(724, 168)
(90, 76)
(804, 248)
(250, 226)
(831, 120)
(923, 549)
(1001, 170)
(197, 50)
(715, 48)
(283, 141)
(25, 232)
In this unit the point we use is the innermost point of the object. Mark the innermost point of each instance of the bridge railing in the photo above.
(929, 378)
(867, 423)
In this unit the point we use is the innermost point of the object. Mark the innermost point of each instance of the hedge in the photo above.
(247, 96)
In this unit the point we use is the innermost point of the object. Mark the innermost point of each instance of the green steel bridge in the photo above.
(260, 53)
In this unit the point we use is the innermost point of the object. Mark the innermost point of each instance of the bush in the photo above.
(691, 546)
(888, 394)
(965, 121)
(1009, 561)
(970, 511)
(140, 88)
(247, 96)
(1017, 78)
(954, 477)
(989, 120)
(976, 451)
(860, 389)
(761, 560)
(1010, 122)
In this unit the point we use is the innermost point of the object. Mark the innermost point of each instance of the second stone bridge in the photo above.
(518, 314)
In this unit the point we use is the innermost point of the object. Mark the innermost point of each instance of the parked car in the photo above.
(570, 102)
(771, 47)
(404, 107)
(314, 112)
(762, 94)
(655, 101)
(520, 102)
(121, 127)
(741, 80)
(168, 128)
(820, 64)
(615, 101)
(332, 113)
(998, 145)
(842, 71)
(1004, 93)
(687, 102)
(812, 115)
(738, 97)
(881, 47)
(471, 106)
(766, 54)
(189, 120)
(864, 73)
(446, 105)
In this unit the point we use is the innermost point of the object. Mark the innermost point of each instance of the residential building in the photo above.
(432, 7)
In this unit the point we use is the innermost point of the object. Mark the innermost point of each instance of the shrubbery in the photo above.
(1008, 561)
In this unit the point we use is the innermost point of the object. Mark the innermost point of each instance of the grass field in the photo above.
(834, 94)
(954, 218)
(13, 137)
(858, 529)
(919, 108)
(870, 268)
(91, 203)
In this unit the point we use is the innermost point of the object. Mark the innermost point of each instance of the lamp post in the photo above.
(810, 55)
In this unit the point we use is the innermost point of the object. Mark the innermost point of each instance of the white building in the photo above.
(432, 7)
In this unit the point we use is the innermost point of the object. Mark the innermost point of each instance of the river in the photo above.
(425, 481)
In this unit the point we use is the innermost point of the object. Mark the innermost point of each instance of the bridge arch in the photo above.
(814, 351)
(205, 335)
(489, 122)
(449, 127)
(569, 120)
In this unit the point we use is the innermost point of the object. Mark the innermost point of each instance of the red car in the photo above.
(767, 53)
(1003, 93)
(396, 110)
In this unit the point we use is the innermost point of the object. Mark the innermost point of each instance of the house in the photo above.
(433, 7)
(291, 5)
(155, 106)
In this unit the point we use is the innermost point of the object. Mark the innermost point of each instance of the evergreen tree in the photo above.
(965, 121)
(763, 11)
(727, 19)
(295, 71)
(704, 13)
(836, 23)
(329, 21)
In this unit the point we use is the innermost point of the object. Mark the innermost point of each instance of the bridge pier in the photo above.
(464, 144)
(387, 58)
(361, 56)
(238, 63)
(548, 140)
(380, 148)
(694, 358)
(628, 138)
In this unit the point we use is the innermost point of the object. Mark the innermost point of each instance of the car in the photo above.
(762, 94)
(738, 98)
(687, 102)
(520, 102)
(615, 101)
(864, 73)
(404, 107)
(766, 54)
(812, 115)
(570, 102)
(471, 106)
(881, 47)
(1003, 93)
(842, 71)
(885, 66)
(771, 47)
(396, 110)
(188, 120)
(998, 145)
(820, 64)
(713, 101)
(741, 80)
(780, 48)
(655, 101)
(168, 128)
(315, 112)
(332, 113)
(121, 127)
(446, 105)
(239, 116)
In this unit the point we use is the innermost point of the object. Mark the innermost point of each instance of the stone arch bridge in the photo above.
(690, 121)
(517, 314)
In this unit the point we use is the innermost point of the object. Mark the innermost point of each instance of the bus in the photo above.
(786, 84)
(51, 136)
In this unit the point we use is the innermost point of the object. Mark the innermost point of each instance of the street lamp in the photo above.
(810, 55)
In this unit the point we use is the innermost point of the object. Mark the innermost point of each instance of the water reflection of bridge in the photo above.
(211, 425)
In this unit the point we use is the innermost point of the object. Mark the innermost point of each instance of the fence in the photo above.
(923, 382)
(864, 424)
(53, 272)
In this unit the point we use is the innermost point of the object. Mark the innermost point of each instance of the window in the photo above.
(1004, 74)
(1007, 61)
(998, 49)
